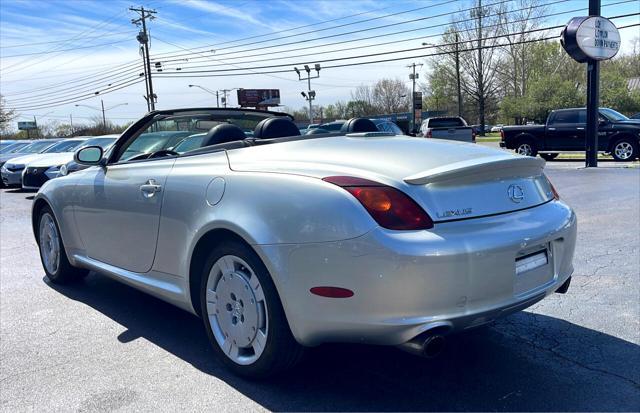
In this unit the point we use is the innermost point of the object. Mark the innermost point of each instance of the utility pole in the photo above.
(104, 117)
(481, 102)
(143, 38)
(593, 98)
(413, 76)
(311, 94)
(457, 56)
(71, 122)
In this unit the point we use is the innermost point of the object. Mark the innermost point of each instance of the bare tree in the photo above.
(516, 21)
(391, 96)
(6, 115)
(478, 57)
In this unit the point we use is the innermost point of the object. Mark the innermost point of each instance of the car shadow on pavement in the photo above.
(525, 362)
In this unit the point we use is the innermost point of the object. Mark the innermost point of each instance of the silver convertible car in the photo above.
(281, 242)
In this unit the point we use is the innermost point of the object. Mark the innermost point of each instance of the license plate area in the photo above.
(533, 270)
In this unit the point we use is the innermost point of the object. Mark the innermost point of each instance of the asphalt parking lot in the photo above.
(102, 346)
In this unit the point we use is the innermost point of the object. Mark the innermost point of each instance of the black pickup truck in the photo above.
(565, 132)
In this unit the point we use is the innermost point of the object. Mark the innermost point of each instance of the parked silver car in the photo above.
(12, 163)
(283, 241)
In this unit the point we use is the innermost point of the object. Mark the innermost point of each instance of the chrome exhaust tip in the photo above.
(433, 346)
(427, 345)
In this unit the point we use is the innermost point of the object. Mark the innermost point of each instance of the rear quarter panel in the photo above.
(262, 208)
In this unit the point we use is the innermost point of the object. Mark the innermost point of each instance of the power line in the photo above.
(93, 79)
(333, 27)
(336, 59)
(316, 53)
(93, 87)
(112, 89)
(65, 50)
(298, 27)
(191, 74)
(19, 65)
(13, 46)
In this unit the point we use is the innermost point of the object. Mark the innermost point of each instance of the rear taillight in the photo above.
(501, 135)
(555, 193)
(428, 134)
(473, 135)
(389, 207)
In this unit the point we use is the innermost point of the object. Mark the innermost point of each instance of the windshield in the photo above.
(14, 147)
(101, 142)
(612, 114)
(190, 143)
(37, 147)
(64, 146)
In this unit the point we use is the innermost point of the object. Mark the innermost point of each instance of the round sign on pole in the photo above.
(594, 37)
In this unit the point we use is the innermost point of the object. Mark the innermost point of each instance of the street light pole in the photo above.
(311, 94)
(104, 118)
(101, 109)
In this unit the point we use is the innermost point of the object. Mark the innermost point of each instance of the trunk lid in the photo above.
(450, 180)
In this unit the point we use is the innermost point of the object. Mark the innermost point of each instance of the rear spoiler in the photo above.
(493, 164)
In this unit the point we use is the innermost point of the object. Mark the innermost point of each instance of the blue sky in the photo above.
(36, 37)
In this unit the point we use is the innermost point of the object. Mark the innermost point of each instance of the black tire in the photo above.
(65, 273)
(527, 147)
(625, 150)
(548, 156)
(281, 351)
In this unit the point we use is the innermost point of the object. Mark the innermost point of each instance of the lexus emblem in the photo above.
(516, 193)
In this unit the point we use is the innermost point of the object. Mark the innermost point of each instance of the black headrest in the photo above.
(355, 125)
(223, 133)
(276, 127)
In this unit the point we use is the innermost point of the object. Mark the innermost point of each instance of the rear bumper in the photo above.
(503, 144)
(458, 275)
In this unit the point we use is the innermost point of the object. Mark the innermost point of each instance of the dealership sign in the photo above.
(258, 97)
(595, 38)
(27, 125)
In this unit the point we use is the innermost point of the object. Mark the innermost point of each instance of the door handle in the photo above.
(580, 128)
(150, 188)
(551, 128)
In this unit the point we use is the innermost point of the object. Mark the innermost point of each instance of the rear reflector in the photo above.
(389, 207)
(332, 292)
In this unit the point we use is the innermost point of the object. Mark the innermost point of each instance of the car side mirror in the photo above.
(89, 155)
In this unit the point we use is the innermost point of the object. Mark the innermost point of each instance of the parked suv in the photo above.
(565, 131)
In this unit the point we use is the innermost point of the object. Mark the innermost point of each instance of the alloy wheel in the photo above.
(237, 309)
(49, 243)
(623, 150)
(525, 149)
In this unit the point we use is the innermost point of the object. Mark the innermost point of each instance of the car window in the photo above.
(393, 128)
(612, 114)
(566, 116)
(14, 147)
(445, 122)
(37, 147)
(332, 127)
(64, 146)
(190, 143)
(582, 116)
(168, 130)
(101, 142)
